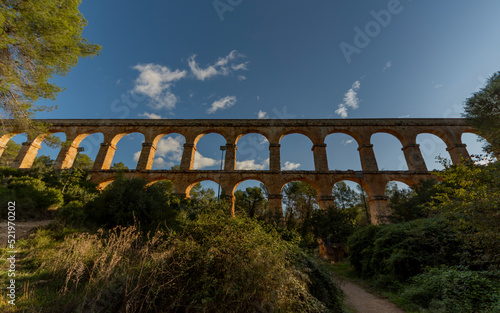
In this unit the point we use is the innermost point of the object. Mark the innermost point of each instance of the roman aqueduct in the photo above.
(322, 179)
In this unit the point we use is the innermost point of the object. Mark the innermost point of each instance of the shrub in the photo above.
(455, 289)
(128, 201)
(215, 264)
(33, 199)
(404, 250)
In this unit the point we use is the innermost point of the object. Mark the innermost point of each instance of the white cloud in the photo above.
(438, 86)
(347, 141)
(221, 104)
(404, 116)
(201, 161)
(242, 77)
(387, 66)
(136, 156)
(155, 82)
(350, 100)
(170, 147)
(289, 166)
(262, 115)
(251, 165)
(223, 66)
(151, 116)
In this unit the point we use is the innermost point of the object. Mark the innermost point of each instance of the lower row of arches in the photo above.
(252, 197)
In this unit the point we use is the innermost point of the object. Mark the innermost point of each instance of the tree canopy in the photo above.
(38, 39)
(483, 110)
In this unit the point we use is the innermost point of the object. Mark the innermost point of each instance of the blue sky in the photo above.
(242, 59)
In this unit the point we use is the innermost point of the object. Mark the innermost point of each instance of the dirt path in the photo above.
(23, 229)
(361, 301)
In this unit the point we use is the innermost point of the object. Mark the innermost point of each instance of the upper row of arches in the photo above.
(253, 150)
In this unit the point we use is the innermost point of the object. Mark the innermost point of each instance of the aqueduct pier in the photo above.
(322, 179)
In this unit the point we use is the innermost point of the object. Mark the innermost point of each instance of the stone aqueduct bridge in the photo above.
(322, 179)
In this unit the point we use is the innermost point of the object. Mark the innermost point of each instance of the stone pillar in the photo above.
(2, 149)
(4, 140)
(147, 155)
(274, 205)
(231, 200)
(274, 157)
(367, 157)
(104, 156)
(66, 157)
(326, 201)
(379, 209)
(458, 152)
(187, 160)
(414, 158)
(27, 154)
(230, 159)
(320, 158)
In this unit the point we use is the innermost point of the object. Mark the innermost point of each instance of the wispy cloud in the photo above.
(262, 115)
(438, 86)
(347, 141)
(289, 166)
(155, 81)
(404, 116)
(350, 100)
(223, 66)
(221, 104)
(387, 66)
(252, 165)
(151, 116)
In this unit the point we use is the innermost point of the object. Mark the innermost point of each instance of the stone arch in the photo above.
(207, 132)
(256, 148)
(53, 151)
(439, 132)
(474, 142)
(252, 131)
(397, 145)
(121, 148)
(290, 161)
(105, 183)
(199, 180)
(8, 155)
(430, 147)
(164, 152)
(211, 156)
(253, 211)
(400, 184)
(345, 147)
(287, 132)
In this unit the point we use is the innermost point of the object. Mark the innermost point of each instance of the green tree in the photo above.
(345, 197)
(300, 201)
(10, 153)
(252, 201)
(483, 111)
(83, 162)
(38, 39)
(119, 166)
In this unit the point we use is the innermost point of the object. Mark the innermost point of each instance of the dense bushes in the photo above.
(33, 198)
(455, 289)
(404, 250)
(213, 264)
(126, 202)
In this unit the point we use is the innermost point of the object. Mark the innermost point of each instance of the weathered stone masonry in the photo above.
(322, 179)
